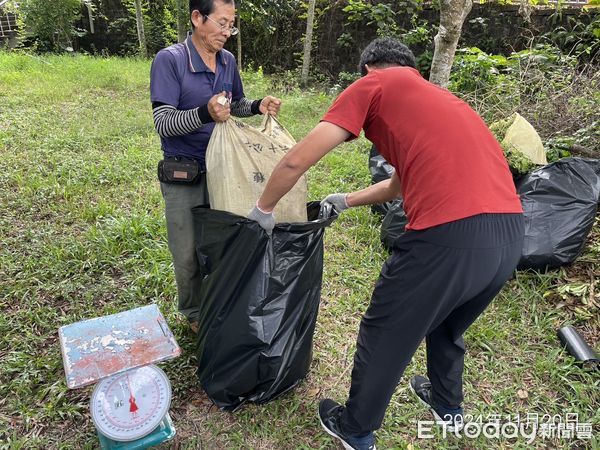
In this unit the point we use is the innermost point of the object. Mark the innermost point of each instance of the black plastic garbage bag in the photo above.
(560, 202)
(380, 170)
(260, 299)
(394, 220)
(393, 224)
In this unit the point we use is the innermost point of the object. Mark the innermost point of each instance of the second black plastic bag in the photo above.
(560, 202)
(260, 299)
(380, 170)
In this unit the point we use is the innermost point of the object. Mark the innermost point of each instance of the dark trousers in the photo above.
(433, 286)
(179, 201)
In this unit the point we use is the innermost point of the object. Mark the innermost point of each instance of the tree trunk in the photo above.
(310, 20)
(183, 20)
(239, 42)
(139, 20)
(525, 9)
(452, 15)
(88, 5)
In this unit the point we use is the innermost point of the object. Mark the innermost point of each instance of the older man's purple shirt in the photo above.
(180, 78)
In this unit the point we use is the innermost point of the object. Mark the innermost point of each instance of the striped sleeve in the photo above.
(170, 121)
(244, 107)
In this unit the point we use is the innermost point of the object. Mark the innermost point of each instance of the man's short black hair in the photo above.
(205, 7)
(386, 52)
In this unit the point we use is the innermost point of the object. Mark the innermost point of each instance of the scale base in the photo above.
(163, 432)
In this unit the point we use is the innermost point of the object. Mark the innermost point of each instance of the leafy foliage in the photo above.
(345, 79)
(474, 69)
(160, 21)
(557, 95)
(268, 23)
(580, 38)
(381, 14)
(50, 25)
(419, 38)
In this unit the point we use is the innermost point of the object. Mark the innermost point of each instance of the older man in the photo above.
(186, 81)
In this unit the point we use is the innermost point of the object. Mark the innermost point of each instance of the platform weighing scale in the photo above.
(130, 404)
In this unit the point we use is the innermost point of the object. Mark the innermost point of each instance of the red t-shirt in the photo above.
(449, 164)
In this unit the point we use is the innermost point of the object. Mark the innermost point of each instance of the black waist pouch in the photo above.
(179, 171)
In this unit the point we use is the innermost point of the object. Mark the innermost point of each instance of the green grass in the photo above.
(82, 234)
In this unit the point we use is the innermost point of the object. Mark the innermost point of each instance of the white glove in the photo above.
(338, 201)
(265, 220)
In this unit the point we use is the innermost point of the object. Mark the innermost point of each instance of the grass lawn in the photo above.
(82, 234)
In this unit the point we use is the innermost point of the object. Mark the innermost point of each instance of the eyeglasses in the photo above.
(224, 28)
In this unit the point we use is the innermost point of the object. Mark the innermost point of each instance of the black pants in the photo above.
(433, 286)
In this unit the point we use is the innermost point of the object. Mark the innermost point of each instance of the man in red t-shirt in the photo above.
(463, 241)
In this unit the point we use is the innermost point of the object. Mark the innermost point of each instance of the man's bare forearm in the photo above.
(323, 138)
(381, 192)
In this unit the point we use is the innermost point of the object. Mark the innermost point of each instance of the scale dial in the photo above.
(130, 405)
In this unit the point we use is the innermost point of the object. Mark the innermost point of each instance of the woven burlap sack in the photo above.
(239, 162)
